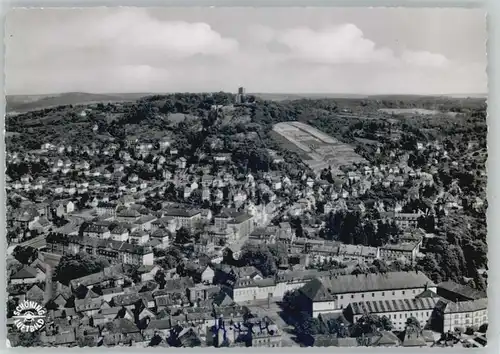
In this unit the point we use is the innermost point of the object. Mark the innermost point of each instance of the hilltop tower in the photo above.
(240, 96)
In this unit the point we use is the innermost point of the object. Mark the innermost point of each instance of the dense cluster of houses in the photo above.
(79, 204)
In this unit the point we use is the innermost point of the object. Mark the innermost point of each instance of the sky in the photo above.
(272, 50)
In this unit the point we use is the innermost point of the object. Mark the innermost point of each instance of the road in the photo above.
(36, 242)
(74, 222)
(51, 259)
(48, 285)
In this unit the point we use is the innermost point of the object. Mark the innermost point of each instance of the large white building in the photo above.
(250, 289)
(114, 251)
(464, 314)
(335, 293)
(187, 218)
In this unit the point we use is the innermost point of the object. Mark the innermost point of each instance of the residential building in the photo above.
(114, 251)
(406, 250)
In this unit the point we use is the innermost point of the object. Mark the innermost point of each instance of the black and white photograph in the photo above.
(235, 177)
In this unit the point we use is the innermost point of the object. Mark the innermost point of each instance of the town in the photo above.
(230, 220)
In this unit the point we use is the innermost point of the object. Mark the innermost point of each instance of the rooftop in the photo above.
(366, 282)
(463, 290)
(400, 305)
(466, 306)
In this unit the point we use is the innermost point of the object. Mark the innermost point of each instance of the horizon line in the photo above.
(250, 93)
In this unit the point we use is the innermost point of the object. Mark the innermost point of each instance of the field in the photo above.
(315, 148)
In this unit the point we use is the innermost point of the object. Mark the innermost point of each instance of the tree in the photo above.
(280, 252)
(13, 266)
(381, 265)
(25, 254)
(79, 265)
(369, 323)
(386, 323)
(160, 279)
(172, 258)
(260, 257)
(27, 339)
(306, 327)
(470, 330)
(413, 324)
(483, 328)
(182, 236)
(291, 302)
(11, 306)
(430, 267)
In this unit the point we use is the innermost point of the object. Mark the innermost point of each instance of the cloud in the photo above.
(343, 44)
(423, 58)
(125, 33)
(333, 45)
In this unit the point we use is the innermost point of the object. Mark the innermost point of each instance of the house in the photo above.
(63, 207)
(88, 307)
(109, 293)
(60, 300)
(208, 274)
(133, 178)
(106, 278)
(414, 337)
(35, 294)
(164, 143)
(130, 301)
(201, 292)
(146, 314)
(138, 237)
(24, 218)
(406, 250)
(28, 275)
(264, 333)
(41, 225)
(407, 220)
(113, 313)
(181, 163)
(163, 236)
(158, 326)
(221, 158)
(119, 233)
(144, 222)
(128, 215)
(106, 208)
(97, 231)
(148, 272)
(384, 339)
